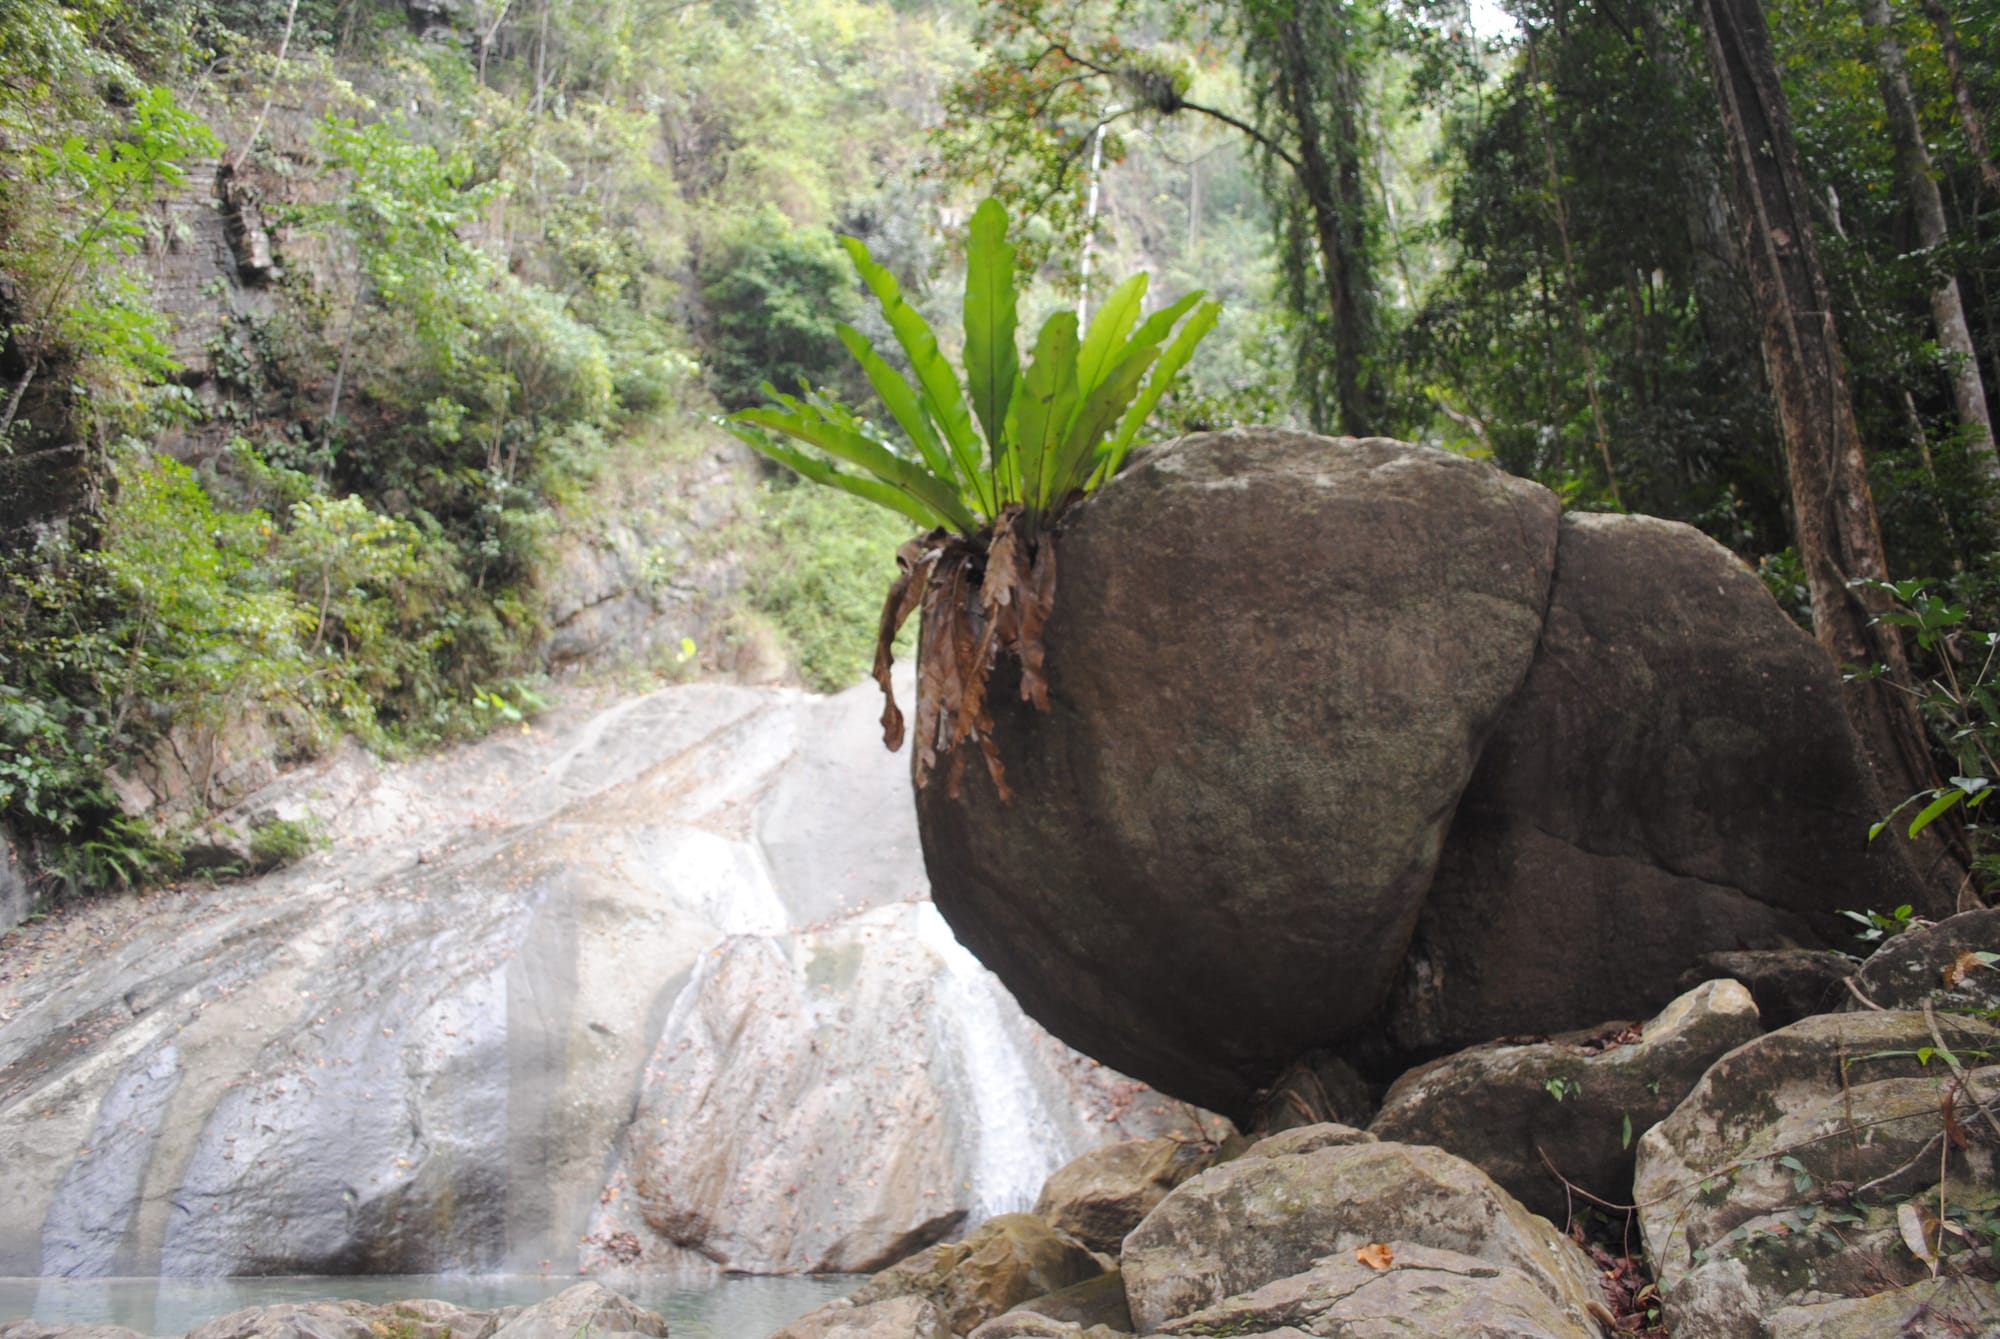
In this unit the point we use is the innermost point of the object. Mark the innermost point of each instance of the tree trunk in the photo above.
(1839, 539)
(1331, 184)
(1913, 166)
(1961, 94)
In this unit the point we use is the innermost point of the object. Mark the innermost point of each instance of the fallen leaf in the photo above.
(1910, 1223)
(1376, 1255)
(1961, 967)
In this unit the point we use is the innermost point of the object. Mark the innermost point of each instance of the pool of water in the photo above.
(697, 1306)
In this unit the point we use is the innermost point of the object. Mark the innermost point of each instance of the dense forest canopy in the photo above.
(491, 253)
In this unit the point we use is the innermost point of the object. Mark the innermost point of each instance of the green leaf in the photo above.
(901, 400)
(1042, 412)
(992, 363)
(846, 444)
(943, 399)
(1936, 809)
(823, 472)
(1164, 372)
(1104, 345)
(1100, 409)
(1625, 1132)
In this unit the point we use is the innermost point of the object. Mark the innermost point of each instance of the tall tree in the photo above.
(1839, 540)
(1913, 171)
(1057, 76)
(1969, 115)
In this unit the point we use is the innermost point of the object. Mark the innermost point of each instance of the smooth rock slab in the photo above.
(1272, 663)
(1581, 1100)
(1423, 1294)
(1912, 967)
(1245, 1224)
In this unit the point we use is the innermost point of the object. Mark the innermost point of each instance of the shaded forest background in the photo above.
(498, 262)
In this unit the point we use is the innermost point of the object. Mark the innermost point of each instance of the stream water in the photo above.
(696, 1306)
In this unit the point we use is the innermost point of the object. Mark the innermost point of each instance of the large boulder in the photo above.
(906, 1317)
(1272, 662)
(1358, 747)
(1245, 1224)
(1574, 1103)
(1676, 777)
(1794, 1179)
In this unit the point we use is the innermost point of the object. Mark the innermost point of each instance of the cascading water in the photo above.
(1019, 1140)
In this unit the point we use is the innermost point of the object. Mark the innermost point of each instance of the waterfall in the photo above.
(1019, 1141)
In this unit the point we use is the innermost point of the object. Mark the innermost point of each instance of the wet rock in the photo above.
(890, 1318)
(306, 1320)
(1011, 1259)
(1317, 1089)
(1420, 1291)
(1676, 777)
(1101, 1196)
(1935, 963)
(1787, 984)
(28, 1329)
(1243, 1225)
(1581, 1100)
(1175, 836)
(1778, 1182)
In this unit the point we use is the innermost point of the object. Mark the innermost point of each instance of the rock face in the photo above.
(1238, 1227)
(1580, 1100)
(1357, 745)
(448, 1042)
(1263, 717)
(1771, 1197)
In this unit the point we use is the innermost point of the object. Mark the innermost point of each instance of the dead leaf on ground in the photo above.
(1376, 1255)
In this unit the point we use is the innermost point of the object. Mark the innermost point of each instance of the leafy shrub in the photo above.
(821, 566)
(776, 298)
(277, 842)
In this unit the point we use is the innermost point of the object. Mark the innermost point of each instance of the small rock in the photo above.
(891, 1318)
(1306, 1138)
(1582, 1099)
(1009, 1260)
(587, 1308)
(1098, 1301)
(1914, 966)
(1102, 1195)
(1787, 983)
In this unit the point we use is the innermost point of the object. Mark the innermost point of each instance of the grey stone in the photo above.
(891, 1318)
(1221, 836)
(1009, 1260)
(585, 1309)
(1235, 1228)
(1787, 983)
(1912, 967)
(1834, 1114)
(1102, 1195)
(1307, 1138)
(1579, 1101)
(17, 894)
(1093, 1302)
(1676, 777)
